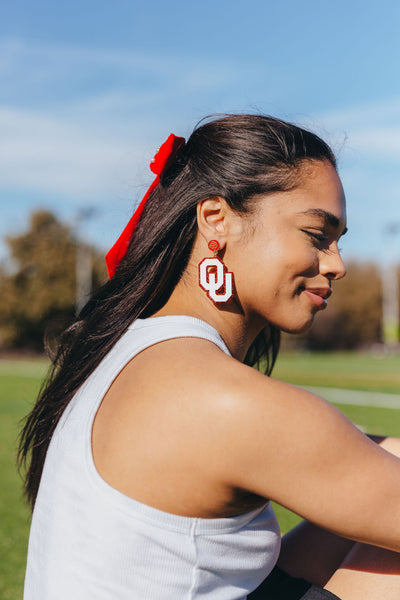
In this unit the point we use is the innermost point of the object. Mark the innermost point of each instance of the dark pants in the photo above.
(281, 586)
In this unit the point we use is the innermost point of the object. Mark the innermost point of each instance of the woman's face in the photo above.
(284, 266)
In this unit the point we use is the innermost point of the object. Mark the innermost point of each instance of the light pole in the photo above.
(390, 290)
(83, 261)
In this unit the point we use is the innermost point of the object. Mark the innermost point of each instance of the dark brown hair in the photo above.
(238, 157)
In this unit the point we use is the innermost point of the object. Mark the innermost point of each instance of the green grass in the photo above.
(19, 384)
(347, 370)
(20, 381)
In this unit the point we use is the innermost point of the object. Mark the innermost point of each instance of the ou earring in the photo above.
(214, 277)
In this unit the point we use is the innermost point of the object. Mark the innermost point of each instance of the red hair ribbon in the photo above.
(161, 161)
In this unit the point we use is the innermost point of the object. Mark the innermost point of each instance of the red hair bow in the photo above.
(161, 161)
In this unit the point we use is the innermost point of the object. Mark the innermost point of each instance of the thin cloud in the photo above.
(77, 69)
(383, 142)
(360, 115)
(54, 156)
(372, 130)
(77, 121)
(81, 124)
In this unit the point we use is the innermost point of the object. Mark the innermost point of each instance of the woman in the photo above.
(161, 446)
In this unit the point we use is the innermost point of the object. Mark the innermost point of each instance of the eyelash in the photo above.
(318, 237)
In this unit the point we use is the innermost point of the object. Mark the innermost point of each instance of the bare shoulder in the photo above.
(235, 407)
(224, 426)
(215, 379)
(242, 408)
(223, 384)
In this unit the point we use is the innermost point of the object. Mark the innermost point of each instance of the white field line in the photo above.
(357, 398)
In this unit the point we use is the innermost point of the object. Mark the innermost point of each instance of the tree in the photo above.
(354, 315)
(39, 289)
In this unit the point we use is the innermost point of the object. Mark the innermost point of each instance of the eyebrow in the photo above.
(328, 217)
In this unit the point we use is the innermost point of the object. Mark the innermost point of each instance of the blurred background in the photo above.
(89, 90)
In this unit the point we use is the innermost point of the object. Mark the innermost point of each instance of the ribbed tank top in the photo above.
(88, 541)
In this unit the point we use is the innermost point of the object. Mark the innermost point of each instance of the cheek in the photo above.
(303, 259)
(294, 261)
(274, 253)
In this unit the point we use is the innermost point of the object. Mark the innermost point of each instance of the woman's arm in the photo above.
(293, 447)
(390, 444)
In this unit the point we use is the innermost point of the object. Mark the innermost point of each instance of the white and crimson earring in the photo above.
(214, 277)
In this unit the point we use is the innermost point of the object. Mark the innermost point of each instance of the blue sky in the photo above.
(89, 90)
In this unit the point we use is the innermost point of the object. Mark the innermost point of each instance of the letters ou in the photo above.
(215, 280)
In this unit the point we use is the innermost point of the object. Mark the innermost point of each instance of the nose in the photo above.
(331, 264)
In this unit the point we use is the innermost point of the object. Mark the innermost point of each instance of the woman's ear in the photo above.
(213, 219)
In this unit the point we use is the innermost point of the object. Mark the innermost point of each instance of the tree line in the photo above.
(38, 282)
(38, 292)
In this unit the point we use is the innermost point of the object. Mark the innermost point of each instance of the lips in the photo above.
(318, 296)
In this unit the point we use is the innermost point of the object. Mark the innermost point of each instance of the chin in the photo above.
(300, 327)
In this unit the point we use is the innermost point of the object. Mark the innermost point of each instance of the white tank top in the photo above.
(89, 541)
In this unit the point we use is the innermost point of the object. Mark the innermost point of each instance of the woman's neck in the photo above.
(227, 318)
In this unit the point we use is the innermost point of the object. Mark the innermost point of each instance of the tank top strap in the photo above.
(142, 334)
(157, 329)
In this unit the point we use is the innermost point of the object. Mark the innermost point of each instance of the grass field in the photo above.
(347, 370)
(20, 381)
